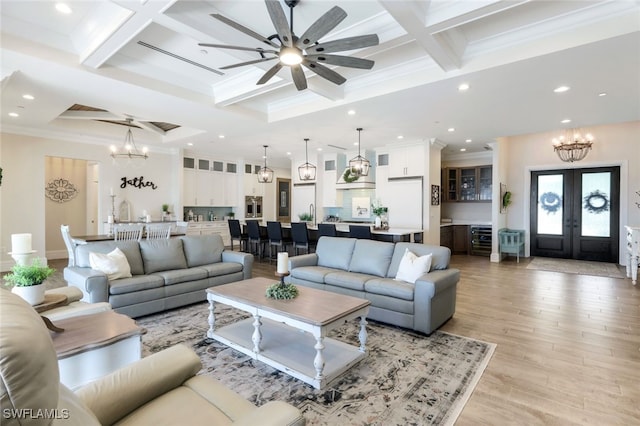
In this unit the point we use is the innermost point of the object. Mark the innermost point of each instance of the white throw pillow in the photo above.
(114, 264)
(413, 267)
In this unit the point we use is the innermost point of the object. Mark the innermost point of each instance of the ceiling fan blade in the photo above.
(324, 72)
(344, 61)
(243, 29)
(279, 21)
(343, 44)
(298, 77)
(248, 49)
(241, 64)
(321, 27)
(272, 71)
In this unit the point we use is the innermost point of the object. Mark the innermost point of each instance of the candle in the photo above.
(21, 243)
(109, 219)
(148, 218)
(283, 263)
(111, 191)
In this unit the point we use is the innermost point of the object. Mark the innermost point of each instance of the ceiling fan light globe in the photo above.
(290, 56)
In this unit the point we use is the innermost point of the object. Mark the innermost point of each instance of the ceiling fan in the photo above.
(294, 51)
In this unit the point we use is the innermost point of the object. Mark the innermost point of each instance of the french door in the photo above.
(575, 213)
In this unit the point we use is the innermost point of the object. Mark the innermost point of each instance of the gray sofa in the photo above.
(367, 268)
(166, 273)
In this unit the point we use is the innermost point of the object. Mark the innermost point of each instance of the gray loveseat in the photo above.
(166, 273)
(367, 268)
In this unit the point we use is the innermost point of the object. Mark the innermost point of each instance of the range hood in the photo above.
(363, 182)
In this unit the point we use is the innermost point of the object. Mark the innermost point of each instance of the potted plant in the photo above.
(27, 281)
(378, 210)
(305, 217)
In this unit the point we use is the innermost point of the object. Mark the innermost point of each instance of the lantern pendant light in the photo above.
(265, 174)
(307, 171)
(359, 165)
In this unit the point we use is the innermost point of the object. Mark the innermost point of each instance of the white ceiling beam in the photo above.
(437, 22)
(411, 18)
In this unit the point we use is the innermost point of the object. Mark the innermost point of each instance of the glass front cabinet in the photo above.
(467, 184)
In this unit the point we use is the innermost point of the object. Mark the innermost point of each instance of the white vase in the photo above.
(33, 294)
(378, 222)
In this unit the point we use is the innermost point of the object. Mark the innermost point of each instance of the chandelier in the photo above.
(307, 171)
(573, 146)
(129, 149)
(359, 165)
(265, 174)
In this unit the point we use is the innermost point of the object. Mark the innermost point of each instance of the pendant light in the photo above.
(129, 149)
(359, 165)
(307, 171)
(265, 174)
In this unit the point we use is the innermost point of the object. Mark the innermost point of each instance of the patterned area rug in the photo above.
(583, 267)
(407, 378)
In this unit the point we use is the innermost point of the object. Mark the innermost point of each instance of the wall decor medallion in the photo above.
(60, 190)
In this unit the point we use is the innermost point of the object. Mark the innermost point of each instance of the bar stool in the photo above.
(362, 232)
(300, 237)
(274, 233)
(235, 230)
(256, 238)
(327, 230)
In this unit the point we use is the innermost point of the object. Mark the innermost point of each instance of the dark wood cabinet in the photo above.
(461, 239)
(446, 237)
(467, 184)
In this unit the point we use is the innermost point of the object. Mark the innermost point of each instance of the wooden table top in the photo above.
(87, 332)
(312, 306)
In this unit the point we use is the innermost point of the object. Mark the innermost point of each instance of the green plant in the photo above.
(281, 291)
(231, 215)
(378, 210)
(305, 217)
(349, 176)
(165, 208)
(28, 275)
(506, 199)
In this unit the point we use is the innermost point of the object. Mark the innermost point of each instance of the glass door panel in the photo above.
(550, 209)
(596, 211)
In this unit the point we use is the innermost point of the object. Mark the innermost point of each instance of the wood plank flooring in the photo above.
(568, 345)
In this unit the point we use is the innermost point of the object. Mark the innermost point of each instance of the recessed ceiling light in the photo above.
(14, 114)
(602, 94)
(561, 89)
(63, 8)
(220, 136)
(451, 129)
(468, 141)
(319, 149)
(400, 137)
(190, 143)
(351, 112)
(463, 87)
(288, 152)
(463, 149)
(355, 144)
(28, 97)
(565, 121)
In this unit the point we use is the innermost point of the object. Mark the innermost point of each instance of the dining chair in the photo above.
(158, 231)
(124, 232)
(71, 245)
(256, 238)
(327, 230)
(276, 239)
(359, 231)
(236, 234)
(300, 237)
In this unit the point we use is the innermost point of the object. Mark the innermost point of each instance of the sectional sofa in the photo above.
(165, 273)
(367, 269)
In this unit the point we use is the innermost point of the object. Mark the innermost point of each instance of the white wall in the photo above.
(22, 200)
(615, 145)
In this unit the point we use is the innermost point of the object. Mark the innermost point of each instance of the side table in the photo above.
(95, 345)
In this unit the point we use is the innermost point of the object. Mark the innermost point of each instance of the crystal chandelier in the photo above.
(359, 165)
(307, 171)
(129, 149)
(265, 174)
(573, 146)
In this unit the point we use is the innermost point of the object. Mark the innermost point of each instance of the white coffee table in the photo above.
(291, 335)
(92, 346)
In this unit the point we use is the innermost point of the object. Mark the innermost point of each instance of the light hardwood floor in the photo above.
(568, 346)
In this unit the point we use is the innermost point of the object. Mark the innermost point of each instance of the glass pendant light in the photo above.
(359, 165)
(307, 171)
(265, 174)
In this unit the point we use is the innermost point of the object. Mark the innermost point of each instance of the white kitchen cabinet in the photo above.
(189, 194)
(406, 161)
(251, 185)
(331, 197)
(207, 184)
(230, 189)
(211, 228)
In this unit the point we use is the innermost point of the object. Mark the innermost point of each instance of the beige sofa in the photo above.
(162, 389)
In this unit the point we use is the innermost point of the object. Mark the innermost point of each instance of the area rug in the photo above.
(407, 378)
(571, 266)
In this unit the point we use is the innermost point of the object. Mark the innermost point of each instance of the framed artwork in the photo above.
(435, 195)
(361, 207)
(503, 191)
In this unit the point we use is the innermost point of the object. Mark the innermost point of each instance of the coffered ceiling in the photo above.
(141, 59)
